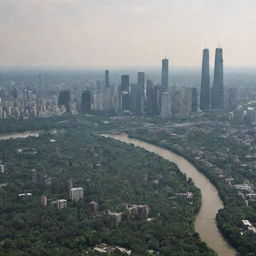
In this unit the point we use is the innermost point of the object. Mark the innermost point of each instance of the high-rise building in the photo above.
(205, 82)
(125, 101)
(125, 83)
(232, 97)
(141, 82)
(64, 99)
(165, 75)
(107, 84)
(218, 87)
(194, 100)
(140, 98)
(149, 98)
(166, 110)
(86, 102)
(190, 100)
(76, 194)
(156, 100)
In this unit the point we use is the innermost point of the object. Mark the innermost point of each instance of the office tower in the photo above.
(133, 98)
(194, 100)
(43, 200)
(86, 102)
(93, 206)
(156, 100)
(76, 194)
(218, 87)
(190, 100)
(238, 116)
(140, 99)
(64, 99)
(165, 75)
(166, 110)
(205, 82)
(179, 105)
(107, 84)
(187, 101)
(232, 97)
(149, 98)
(141, 82)
(125, 101)
(125, 83)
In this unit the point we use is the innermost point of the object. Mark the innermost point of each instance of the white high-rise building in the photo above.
(76, 194)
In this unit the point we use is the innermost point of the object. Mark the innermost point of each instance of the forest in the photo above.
(111, 173)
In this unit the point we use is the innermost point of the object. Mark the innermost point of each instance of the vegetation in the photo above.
(225, 156)
(111, 173)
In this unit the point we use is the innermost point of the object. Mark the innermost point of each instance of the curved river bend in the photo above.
(205, 223)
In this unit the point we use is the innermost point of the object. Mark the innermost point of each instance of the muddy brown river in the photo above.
(205, 223)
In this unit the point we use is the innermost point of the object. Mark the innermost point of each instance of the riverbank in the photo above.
(205, 223)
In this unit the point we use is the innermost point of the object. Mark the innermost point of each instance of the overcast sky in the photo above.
(125, 32)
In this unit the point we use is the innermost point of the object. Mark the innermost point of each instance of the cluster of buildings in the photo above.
(143, 97)
(243, 114)
(28, 102)
(248, 228)
(140, 211)
(75, 194)
(146, 98)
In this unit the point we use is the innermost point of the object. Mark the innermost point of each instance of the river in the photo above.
(205, 223)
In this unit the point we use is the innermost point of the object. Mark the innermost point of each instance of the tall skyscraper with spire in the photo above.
(165, 75)
(218, 86)
(205, 82)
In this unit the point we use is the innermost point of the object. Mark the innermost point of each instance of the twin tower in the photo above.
(212, 97)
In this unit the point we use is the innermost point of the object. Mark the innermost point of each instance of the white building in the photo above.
(76, 194)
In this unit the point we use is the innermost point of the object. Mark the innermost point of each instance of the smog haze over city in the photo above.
(128, 32)
(127, 127)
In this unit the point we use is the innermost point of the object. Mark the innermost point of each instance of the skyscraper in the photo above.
(149, 98)
(166, 107)
(218, 87)
(205, 82)
(125, 83)
(86, 102)
(107, 84)
(64, 99)
(141, 81)
(140, 99)
(165, 75)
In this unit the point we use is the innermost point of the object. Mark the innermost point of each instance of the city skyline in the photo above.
(124, 33)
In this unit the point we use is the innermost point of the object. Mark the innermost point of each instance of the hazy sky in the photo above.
(125, 32)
